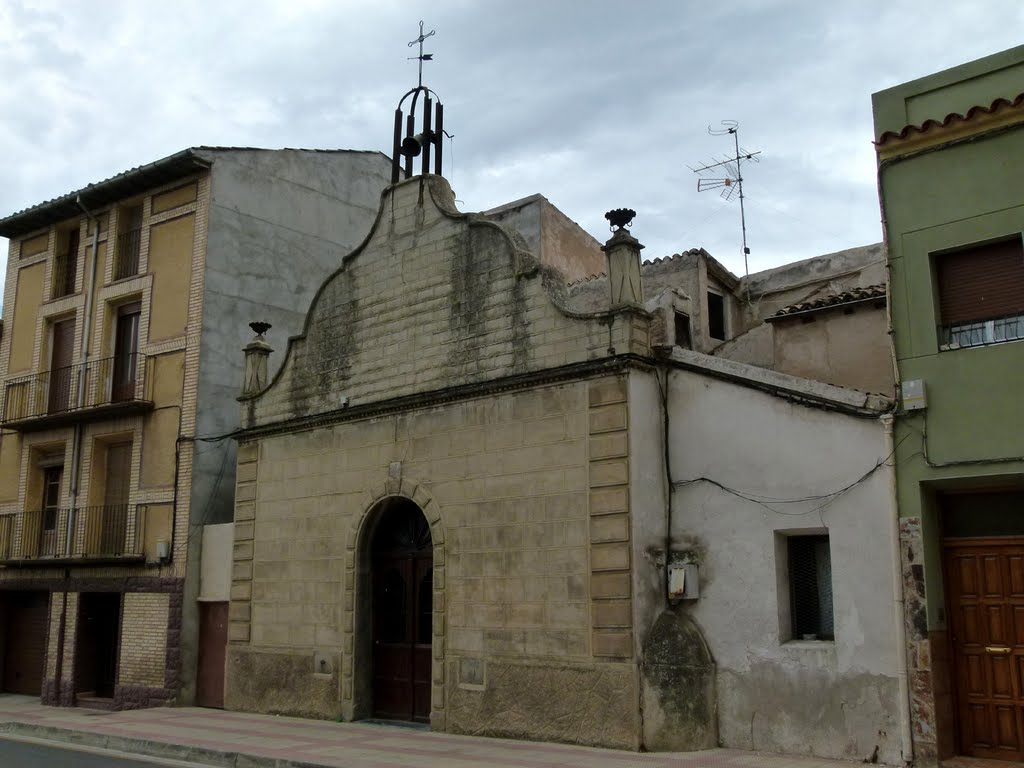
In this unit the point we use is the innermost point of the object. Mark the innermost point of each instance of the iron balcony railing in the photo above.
(111, 530)
(103, 382)
(126, 259)
(6, 535)
(65, 271)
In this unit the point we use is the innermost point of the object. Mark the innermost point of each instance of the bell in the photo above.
(413, 145)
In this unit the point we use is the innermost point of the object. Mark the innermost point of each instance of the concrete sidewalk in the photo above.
(237, 739)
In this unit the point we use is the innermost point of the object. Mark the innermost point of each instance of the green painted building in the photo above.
(950, 152)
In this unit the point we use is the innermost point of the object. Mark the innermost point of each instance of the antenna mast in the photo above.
(733, 179)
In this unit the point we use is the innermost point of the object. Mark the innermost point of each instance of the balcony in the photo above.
(99, 389)
(110, 533)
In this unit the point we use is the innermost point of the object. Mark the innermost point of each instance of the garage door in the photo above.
(25, 641)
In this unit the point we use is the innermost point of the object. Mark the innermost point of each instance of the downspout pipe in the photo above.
(76, 447)
(899, 616)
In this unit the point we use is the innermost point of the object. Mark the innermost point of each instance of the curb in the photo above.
(151, 748)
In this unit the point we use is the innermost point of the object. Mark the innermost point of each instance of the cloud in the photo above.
(592, 104)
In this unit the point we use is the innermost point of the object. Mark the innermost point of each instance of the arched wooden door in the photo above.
(403, 586)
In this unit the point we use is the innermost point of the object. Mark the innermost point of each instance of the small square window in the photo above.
(810, 588)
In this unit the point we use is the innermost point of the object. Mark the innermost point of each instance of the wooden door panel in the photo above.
(985, 591)
(971, 632)
(995, 626)
(213, 641)
(1005, 728)
(1002, 678)
(991, 583)
(1015, 575)
(1017, 612)
(967, 573)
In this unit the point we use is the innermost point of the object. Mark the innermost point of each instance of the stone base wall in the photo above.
(593, 704)
(280, 682)
(928, 663)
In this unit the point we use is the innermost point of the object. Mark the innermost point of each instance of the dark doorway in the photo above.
(403, 583)
(126, 352)
(213, 641)
(24, 637)
(61, 355)
(98, 640)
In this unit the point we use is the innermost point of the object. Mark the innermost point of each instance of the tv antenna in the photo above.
(732, 181)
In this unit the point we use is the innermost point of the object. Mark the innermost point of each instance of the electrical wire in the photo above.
(765, 501)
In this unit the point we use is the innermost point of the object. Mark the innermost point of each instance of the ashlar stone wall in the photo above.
(505, 481)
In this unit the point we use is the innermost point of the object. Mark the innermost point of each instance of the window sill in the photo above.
(809, 645)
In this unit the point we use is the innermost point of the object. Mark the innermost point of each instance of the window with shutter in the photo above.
(981, 294)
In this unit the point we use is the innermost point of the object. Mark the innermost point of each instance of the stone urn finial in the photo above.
(623, 251)
(256, 353)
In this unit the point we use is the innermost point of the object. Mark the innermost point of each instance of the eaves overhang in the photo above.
(124, 185)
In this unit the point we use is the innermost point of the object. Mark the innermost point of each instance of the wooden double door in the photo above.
(985, 593)
(403, 587)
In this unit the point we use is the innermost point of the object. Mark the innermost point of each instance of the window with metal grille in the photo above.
(981, 294)
(810, 588)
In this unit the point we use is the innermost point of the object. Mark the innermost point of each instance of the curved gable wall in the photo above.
(433, 299)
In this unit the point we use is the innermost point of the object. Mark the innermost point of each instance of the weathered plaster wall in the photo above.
(518, 648)
(829, 698)
(279, 223)
(848, 348)
(552, 237)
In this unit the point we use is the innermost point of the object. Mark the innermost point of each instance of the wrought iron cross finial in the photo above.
(423, 56)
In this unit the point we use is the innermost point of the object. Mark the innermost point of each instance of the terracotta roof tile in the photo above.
(866, 293)
(951, 118)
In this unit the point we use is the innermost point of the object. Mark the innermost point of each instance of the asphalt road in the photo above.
(37, 754)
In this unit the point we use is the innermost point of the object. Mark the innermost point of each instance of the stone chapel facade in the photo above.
(465, 500)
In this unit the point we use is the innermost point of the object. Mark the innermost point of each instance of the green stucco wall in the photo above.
(939, 199)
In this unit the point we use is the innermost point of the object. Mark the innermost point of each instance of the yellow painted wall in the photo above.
(157, 522)
(175, 197)
(160, 430)
(23, 327)
(158, 436)
(170, 262)
(35, 245)
(10, 463)
(168, 379)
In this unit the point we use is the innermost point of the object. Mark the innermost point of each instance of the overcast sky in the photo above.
(595, 105)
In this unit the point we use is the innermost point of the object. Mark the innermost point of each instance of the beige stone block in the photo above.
(466, 640)
(245, 512)
(246, 472)
(609, 472)
(238, 632)
(612, 556)
(607, 584)
(244, 529)
(243, 550)
(573, 615)
(239, 611)
(565, 560)
(245, 492)
(609, 445)
(525, 615)
(241, 570)
(612, 613)
(608, 418)
(612, 644)
(547, 430)
(605, 391)
(609, 528)
(248, 452)
(327, 635)
(605, 501)
(241, 590)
